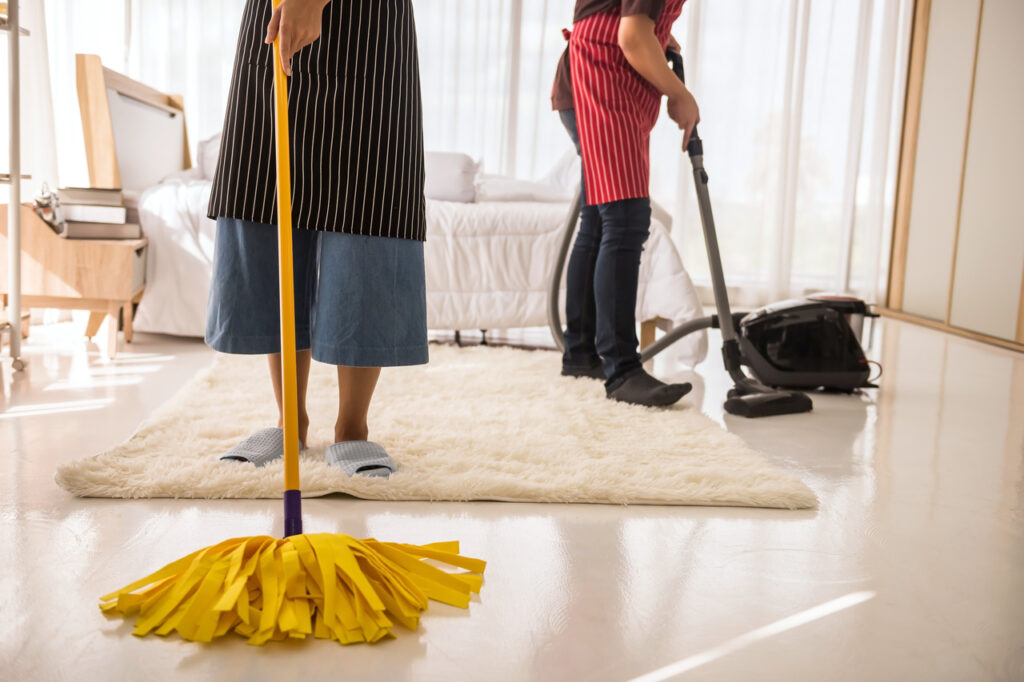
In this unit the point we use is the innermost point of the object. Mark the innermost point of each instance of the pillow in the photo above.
(500, 188)
(564, 176)
(450, 176)
(209, 150)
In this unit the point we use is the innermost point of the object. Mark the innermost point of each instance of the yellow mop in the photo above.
(331, 586)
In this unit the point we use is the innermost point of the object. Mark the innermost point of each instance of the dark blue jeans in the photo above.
(601, 284)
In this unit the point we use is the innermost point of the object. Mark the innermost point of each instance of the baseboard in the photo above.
(942, 326)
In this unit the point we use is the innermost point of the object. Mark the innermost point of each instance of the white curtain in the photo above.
(802, 104)
(87, 26)
(181, 47)
(487, 69)
(187, 47)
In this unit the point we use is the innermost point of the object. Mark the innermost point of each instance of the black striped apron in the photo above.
(356, 125)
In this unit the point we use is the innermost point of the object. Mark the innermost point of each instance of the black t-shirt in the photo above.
(561, 92)
(586, 8)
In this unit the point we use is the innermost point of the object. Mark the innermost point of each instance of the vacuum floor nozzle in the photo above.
(768, 404)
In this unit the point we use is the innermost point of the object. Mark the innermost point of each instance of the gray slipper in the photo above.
(260, 448)
(362, 458)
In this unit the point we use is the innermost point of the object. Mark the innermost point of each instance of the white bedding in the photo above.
(487, 265)
(180, 258)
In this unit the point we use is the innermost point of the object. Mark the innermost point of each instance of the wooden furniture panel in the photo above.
(101, 275)
(957, 257)
(104, 276)
(74, 268)
(96, 84)
(908, 154)
(938, 166)
(990, 249)
(1020, 314)
(96, 126)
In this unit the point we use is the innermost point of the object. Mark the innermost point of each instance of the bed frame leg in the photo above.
(127, 319)
(648, 330)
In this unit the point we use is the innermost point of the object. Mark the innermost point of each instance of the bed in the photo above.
(488, 262)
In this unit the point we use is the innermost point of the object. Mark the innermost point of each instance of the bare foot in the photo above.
(303, 427)
(344, 432)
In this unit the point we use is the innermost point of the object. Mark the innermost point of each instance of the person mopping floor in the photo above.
(358, 207)
(608, 90)
(323, 585)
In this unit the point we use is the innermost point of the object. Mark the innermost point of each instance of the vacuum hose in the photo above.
(555, 288)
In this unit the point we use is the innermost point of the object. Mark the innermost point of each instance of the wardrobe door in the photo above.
(942, 130)
(989, 263)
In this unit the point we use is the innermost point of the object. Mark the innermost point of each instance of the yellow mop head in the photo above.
(331, 586)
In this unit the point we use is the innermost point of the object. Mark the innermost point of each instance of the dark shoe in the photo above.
(641, 388)
(595, 372)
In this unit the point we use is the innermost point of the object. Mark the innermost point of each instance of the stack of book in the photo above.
(92, 213)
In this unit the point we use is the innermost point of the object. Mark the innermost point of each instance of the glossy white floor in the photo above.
(910, 570)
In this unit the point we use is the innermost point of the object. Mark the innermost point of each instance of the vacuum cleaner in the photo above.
(789, 347)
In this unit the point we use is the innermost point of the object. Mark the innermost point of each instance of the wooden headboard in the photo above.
(134, 135)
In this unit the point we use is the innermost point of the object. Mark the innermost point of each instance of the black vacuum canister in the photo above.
(806, 344)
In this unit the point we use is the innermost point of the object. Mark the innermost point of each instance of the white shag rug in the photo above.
(478, 423)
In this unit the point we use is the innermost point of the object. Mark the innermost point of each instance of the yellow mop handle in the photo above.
(289, 387)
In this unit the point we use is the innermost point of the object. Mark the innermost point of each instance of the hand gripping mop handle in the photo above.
(289, 385)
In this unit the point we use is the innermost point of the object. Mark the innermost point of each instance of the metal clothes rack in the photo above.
(11, 24)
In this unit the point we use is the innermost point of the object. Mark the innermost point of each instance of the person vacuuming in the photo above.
(608, 90)
(358, 207)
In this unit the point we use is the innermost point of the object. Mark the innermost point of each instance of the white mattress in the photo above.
(487, 265)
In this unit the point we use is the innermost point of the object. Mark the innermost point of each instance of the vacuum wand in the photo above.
(749, 397)
(695, 149)
(730, 345)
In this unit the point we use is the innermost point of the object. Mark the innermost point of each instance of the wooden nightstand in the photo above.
(104, 276)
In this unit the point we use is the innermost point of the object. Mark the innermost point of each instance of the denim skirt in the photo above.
(360, 301)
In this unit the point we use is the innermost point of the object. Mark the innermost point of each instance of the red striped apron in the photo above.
(616, 108)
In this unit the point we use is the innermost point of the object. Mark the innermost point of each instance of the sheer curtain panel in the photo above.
(801, 104)
(182, 47)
